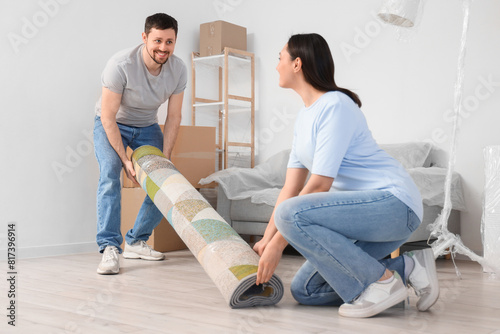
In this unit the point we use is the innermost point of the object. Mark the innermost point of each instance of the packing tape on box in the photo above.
(226, 257)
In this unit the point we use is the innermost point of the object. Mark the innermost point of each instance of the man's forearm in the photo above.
(170, 132)
(109, 108)
(172, 123)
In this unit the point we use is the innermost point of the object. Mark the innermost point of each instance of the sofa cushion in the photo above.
(410, 155)
(242, 183)
(245, 210)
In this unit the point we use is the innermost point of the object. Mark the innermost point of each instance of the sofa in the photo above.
(246, 197)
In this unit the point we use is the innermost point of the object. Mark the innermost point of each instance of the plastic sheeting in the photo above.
(401, 13)
(224, 255)
(431, 180)
(410, 155)
(263, 183)
(490, 224)
(448, 242)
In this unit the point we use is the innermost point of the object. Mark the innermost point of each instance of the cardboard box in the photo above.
(215, 36)
(193, 154)
(164, 237)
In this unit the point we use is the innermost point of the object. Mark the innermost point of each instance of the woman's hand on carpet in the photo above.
(260, 246)
(268, 262)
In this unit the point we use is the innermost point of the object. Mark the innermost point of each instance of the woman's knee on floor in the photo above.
(313, 290)
(301, 295)
(299, 291)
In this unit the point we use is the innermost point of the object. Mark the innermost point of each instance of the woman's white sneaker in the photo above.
(376, 298)
(423, 278)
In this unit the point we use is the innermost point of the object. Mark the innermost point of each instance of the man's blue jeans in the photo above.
(109, 187)
(344, 236)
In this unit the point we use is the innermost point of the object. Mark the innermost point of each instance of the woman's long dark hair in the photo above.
(317, 63)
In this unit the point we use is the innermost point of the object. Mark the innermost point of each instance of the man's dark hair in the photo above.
(160, 21)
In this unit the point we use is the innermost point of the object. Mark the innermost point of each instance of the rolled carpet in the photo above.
(223, 254)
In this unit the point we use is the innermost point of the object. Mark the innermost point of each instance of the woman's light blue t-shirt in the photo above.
(332, 139)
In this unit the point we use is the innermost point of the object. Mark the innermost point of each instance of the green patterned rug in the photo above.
(225, 256)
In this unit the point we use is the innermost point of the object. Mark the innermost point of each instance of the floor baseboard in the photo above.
(54, 250)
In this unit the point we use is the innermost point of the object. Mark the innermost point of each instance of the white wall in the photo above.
(50, 82)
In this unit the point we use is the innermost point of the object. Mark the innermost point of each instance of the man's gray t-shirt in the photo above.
(142, 93)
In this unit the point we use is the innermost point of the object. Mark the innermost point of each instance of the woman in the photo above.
(357, 206)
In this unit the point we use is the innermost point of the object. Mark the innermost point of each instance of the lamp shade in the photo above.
(401, 13)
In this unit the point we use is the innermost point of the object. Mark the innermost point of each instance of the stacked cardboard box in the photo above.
(215, 36)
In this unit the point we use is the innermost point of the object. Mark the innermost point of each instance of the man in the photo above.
(135, 82)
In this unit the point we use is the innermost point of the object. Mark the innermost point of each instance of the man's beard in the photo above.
(156, 61)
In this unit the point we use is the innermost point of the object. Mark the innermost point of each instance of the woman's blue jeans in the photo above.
(109, 187)
(344, 235)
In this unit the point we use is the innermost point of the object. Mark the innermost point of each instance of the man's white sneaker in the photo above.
(423, 278)
(141, 250)
(110, 264)
(376, 298)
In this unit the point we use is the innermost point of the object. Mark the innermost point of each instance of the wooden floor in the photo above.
(65, 295)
